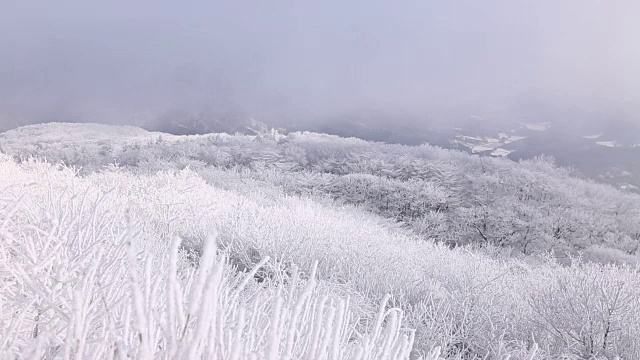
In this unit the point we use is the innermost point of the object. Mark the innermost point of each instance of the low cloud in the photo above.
(283, 61)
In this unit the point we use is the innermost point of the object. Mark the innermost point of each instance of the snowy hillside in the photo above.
(307, 246)
(83, 277)
(64, 134)
(446, 196)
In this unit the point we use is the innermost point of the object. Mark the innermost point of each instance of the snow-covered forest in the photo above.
(449, 197)
(121, 243)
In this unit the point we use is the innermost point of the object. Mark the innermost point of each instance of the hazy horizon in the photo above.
(289, 61)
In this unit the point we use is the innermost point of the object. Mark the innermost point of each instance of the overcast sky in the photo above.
(129, 60)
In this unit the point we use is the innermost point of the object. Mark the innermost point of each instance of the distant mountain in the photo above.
(179, 122)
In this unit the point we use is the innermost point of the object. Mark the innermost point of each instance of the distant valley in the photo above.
(607, 153)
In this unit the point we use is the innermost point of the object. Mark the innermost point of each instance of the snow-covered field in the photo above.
(608, 143)
(488, 144)
(500, 152)
(543, 126)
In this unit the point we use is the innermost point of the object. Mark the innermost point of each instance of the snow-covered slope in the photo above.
(67, 133)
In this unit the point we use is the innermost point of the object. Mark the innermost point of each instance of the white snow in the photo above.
(67, 133)
(469, 137)
(513, 138)
(501, 152)
(592, 137)
(613, 143)
(481, 148)
(537, 126)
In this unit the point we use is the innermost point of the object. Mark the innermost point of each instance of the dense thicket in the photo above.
(82, 278)
(452, 197)
(77, 280)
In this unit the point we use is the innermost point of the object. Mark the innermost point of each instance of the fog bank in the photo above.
(284, 61)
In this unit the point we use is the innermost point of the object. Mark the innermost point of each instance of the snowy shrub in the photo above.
(80, 279)
(312, 198)
(592, 311)
(533, 206)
